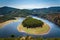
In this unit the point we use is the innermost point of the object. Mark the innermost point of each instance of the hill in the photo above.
(9, 10)
(50, 13)
(30, 22)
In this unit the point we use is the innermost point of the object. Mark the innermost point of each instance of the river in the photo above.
(11, 29)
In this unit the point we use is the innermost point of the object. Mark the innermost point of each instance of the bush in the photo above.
(30, 22)
(12, 35)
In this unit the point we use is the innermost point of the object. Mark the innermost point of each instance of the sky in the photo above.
(29, 4)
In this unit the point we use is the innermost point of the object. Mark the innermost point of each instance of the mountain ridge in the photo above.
(5, 10)
(51, 13)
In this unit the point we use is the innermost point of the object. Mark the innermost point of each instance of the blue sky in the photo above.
(29, 4)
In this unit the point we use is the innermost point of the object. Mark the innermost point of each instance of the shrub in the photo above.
(12, 35)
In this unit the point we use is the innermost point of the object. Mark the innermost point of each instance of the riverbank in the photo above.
(7, 22)
(55, 18)
(35, 31)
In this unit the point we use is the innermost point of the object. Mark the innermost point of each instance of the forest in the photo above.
(30, 22)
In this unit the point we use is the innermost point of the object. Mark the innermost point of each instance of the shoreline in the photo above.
(7, 22)
(43, 33)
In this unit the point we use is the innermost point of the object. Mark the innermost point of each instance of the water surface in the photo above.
(11, 28)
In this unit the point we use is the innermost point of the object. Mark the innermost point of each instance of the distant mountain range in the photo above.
(9, 11)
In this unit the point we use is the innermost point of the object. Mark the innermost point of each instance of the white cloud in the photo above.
(32, 6)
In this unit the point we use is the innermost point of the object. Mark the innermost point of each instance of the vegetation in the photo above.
(10, 13)
(55, 18)
(6, 18)
(12, 35)
(29, 38)
(30, 22)
(36, 31)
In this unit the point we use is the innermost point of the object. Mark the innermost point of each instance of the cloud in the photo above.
(31, 6)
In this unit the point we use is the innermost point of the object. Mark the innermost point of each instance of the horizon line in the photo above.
(29, 8)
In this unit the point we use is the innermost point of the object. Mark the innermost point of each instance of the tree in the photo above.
(30, 22)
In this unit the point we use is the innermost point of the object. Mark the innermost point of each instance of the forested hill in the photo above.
(9, 10)
(14, 11)
(51, 13)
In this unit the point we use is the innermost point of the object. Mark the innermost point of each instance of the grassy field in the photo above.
(35, 31)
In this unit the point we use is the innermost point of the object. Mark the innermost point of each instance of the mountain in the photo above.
(13, 11)
(6, 10)
(9, 10)
(51, 13)
(47, 10)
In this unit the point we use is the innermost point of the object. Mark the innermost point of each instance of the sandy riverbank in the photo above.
(7, 22)
(35, 31)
